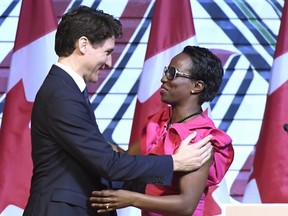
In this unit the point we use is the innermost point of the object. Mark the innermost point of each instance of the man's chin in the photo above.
(94, 79)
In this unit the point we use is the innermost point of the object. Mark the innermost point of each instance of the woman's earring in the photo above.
(192, 91)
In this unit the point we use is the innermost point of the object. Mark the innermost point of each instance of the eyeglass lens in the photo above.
(170, 72)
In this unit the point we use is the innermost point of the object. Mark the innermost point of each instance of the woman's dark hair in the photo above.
(206, 67)
(94, 24)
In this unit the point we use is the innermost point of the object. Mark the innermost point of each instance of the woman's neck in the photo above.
(179, 116)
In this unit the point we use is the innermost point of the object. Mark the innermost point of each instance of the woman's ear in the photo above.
(198, 87)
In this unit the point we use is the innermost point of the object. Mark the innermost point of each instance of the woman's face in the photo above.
(177, 91)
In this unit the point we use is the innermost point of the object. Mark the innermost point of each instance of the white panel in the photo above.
(273, 25)
(113, 7)
(129, 211)
(264, 7)
(109, 105)
(222, 106)
(138, 56)
(4, 4)
(259, 85)
(145, 37)
(129, 114)
(198, 11)
(123, 146)
(245, 132)
(241, 154)
(102, 123)
(84, 2)
(234, 82)
(205, 28)
(5, 49)
(16, 10)
(126, 81)
(226, 9)
(8, 29)
(252, 107)
(121, 134)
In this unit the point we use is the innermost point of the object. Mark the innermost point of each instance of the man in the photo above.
(69, 153)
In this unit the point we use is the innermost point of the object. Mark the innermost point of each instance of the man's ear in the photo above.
(82, 44)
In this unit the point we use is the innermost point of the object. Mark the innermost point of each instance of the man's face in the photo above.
(98, 57)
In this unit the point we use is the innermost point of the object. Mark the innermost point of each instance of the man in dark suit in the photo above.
(69, 153)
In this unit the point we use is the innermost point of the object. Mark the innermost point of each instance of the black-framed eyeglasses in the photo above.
(171, 73)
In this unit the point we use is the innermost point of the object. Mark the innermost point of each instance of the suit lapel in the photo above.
(57, 71)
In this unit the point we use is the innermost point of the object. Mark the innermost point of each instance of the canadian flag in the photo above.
(268, 181)
(32, 57)
(172, 29)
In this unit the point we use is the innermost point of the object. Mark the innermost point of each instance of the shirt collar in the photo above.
(75, 76)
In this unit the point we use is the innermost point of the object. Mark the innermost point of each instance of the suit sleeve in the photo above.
(72, 127)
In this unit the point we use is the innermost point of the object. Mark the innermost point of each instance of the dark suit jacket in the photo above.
(70, 154)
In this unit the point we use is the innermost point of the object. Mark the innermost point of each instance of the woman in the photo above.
(192, 78)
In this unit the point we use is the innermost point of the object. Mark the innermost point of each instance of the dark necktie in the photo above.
(85, 93)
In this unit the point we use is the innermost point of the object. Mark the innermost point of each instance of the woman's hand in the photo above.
(109, 200)
(116, 148)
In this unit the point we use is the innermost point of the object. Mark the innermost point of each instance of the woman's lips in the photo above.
(163, 90)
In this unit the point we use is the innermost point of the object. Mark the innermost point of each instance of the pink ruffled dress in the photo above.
(156, 139)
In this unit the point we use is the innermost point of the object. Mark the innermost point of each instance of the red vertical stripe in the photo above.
(172, 23)
(270, 168)
(36, 19)
(31, 24)
(282, 44)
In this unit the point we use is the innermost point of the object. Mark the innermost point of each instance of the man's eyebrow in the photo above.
(110, 50)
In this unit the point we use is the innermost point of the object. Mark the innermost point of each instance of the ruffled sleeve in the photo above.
(223, 152)
(222, 157)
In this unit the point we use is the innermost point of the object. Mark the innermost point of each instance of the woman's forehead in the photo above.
(181, 60)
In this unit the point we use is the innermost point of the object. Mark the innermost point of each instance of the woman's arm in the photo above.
(191, 185)
(134, 149)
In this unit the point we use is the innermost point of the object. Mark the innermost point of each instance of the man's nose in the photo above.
(109, 61)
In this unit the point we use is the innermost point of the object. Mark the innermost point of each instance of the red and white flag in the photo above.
(32, 57)
(172, 29)
(268, 181)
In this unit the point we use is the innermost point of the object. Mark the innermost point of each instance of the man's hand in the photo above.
(191, 157)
